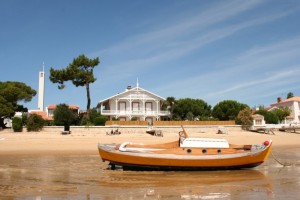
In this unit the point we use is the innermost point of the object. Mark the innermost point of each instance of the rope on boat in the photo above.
(283, 164)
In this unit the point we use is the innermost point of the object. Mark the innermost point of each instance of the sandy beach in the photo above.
(85, 141)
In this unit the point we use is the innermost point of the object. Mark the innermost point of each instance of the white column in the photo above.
(157, 109)
(41, 90)
(130, 106)
(116, 106)
(144, 109)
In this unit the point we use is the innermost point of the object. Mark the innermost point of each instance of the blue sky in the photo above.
(248, 51)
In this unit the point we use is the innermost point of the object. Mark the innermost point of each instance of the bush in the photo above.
(17, 124)
(134, 119)
(24, 119)
(85, 121)
(190, 116)
(93, 119)
(49, 123)
(100, 120)
(63, 116)
(244, 118)
(115, 119)
(35, 123)
(270, 117)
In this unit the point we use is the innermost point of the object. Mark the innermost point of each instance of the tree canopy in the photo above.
(227, 109)
(282, 113)
(289, 95)
(35, 123)
(244, 118)
(80, 72)
(11, 93)
(168, 104)
(190, 109)
(95, 119)
(63, 116)
(269, 117)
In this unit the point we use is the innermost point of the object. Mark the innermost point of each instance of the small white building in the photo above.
(293, 104)
(258, 120)
(133, 102)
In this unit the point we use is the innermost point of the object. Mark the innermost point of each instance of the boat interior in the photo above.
(187, 146)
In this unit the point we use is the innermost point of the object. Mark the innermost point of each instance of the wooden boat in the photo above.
(185, 154)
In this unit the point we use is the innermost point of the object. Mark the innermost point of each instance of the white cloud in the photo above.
(278, 78)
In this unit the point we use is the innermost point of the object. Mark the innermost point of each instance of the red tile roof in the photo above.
(257, 116)
(292, 99)
(42, 114)
(287, 100)
(53, 106)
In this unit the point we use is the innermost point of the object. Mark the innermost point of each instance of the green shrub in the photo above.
(94, 118)
(85, 121)
(190, 116)
(115, 119)
(63, 116)
(270, 117)
(244, 118)
(24, 119)
(35, 123)
(134, 119)
(49, 123)
(17, 124)
(100, 120)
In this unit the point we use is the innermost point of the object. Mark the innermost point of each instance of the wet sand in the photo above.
(87, 177)
(54, 166)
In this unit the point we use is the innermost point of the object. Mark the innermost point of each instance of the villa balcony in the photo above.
(134, 112)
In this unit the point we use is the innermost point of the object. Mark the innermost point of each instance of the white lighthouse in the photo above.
(41, 89)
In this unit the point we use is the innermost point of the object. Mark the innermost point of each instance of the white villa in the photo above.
(293, 104)
(133, 102)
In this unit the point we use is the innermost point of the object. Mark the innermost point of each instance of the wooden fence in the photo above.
(126, 123)
(170, 123)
